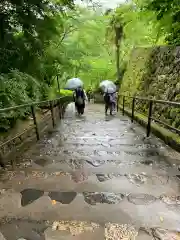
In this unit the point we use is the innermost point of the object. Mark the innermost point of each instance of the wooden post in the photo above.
(133, 105)
(60, 110)
(58, 83)
(149, 118)
(123, 105)
(35, 121)
(118, 103)
(52, 113)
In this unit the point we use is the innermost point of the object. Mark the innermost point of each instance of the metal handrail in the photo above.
(29, 105)
(151, 102)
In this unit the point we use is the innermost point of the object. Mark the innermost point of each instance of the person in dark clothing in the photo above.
(108, 103)
(79, 99)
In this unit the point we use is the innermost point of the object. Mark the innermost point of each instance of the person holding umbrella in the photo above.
(109, 101)
(79, 99)
(79, 94)
(109, 89)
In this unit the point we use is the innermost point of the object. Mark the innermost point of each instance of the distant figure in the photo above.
(90, 94)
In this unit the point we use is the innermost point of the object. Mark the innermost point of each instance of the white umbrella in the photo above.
(107, 84)
(109, 90)
(73, 83)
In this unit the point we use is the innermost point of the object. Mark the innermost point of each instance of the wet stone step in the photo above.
(92, 198)
(15, 229)
(128, 150)
(137, 179)
(25, 229)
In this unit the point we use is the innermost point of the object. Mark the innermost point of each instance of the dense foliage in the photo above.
(168, 14)
(43, 39)
(27, 28)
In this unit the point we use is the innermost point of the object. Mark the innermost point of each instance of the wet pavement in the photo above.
(93, 177)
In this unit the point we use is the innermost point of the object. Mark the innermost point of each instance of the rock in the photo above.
(141, 199)
(137, 178)
(103, 197)
(103, 177)
(161, 77)
(163, 234)
(117, 231)
(2, 237)
(178, 86)
(171, 200)
(71, 228)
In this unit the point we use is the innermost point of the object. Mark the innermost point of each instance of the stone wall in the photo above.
(155, 72)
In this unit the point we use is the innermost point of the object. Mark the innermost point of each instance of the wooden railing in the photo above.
(52, 111)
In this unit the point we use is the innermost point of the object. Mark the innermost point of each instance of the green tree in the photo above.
(168, 14)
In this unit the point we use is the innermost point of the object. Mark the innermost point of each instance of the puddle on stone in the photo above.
(141, 199)
(62, 197)
(30, 195)
(22, 229)
(93, 198)
(170, 200)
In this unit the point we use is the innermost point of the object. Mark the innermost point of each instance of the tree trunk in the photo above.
(118, 37)
(117, 61)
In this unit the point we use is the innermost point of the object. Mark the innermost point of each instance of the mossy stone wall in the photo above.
(155, 72)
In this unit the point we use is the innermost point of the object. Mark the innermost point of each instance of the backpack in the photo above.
(79, 96)
(107, 98)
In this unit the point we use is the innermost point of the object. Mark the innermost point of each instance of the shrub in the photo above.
(16, 88)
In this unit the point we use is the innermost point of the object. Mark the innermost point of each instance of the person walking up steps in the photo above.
(108, 99)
